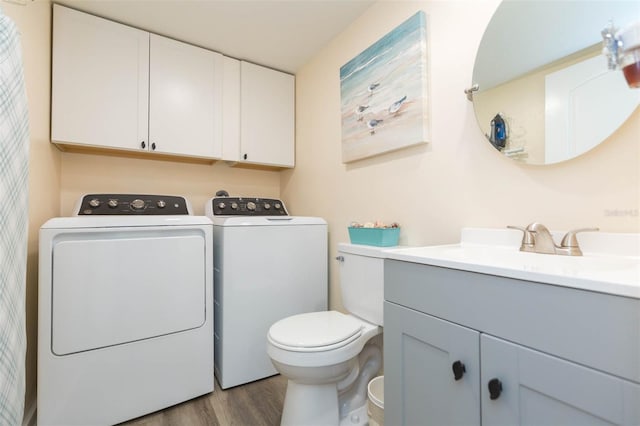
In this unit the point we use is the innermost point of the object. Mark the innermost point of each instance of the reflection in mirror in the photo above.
(545, 91)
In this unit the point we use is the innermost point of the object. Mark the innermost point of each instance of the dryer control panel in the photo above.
(132, 204)
(244, 206)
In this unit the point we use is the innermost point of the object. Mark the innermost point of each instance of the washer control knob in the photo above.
(277, 206)
(251, 206)
(137, 204)
(161, 204)
(221, 205)
(113, 203)
(234, 205)
(94, 203)
(267, 206)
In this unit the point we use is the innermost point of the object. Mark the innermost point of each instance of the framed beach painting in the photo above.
(383, 91)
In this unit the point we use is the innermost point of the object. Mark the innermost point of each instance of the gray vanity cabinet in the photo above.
(533, 354)
(419, 377)
(538, 389)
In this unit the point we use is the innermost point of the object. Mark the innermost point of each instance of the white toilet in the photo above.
(327, 356)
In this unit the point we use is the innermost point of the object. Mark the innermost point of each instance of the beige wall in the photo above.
(85, 173)
(458, 179)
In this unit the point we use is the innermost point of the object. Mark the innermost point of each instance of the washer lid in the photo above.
(315, 330)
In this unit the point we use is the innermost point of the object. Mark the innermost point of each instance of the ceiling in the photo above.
(280, 34)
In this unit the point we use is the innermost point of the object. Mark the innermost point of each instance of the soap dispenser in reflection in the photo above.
(498, 136)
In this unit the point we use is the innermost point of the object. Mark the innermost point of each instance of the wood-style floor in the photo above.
(254, 404)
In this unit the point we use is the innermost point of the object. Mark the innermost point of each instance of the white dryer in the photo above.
(267, 266)
(125, 309)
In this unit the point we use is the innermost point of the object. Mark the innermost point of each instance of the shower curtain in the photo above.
(14, 162)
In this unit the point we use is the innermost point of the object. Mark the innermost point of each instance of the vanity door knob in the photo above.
(340, 258)
(458, 370)
(495, 388)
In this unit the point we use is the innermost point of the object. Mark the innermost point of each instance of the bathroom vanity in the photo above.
(480, 333)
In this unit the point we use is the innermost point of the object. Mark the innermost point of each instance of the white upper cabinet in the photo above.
(185, 99)
(231, 111)
(267, 116)
(100, 81)
(117, 87)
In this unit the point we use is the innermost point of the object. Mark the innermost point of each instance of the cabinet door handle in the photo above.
(245, 156)
(495, 388)
(458, 370)
(153, 146)
(143, 145)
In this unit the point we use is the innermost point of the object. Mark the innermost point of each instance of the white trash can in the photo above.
(376, 401)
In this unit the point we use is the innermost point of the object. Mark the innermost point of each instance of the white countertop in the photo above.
(611, 262)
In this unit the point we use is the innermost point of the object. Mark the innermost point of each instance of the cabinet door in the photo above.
(185, 99)
(538, 389)
(231, 110)
(267, 116)
(420, 387)
(100, 81)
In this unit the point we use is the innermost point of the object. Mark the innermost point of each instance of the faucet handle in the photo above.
(528, 238)
(570, 240)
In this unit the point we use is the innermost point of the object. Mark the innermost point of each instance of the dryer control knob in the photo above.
(234, 206)
(221, 206)
(251, 205)
(267, 206)
(94, 203)
(113, 203)
(161, 204)
(277, 206)
(137, 204)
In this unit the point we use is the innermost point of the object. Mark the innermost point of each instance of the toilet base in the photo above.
(313, 405)
(357, 417)
(310, 405)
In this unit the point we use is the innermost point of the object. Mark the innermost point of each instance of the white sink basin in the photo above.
(613, 268)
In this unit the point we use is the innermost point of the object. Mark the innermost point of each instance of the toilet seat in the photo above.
(315, 331)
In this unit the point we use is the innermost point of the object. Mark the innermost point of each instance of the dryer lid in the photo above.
(315, 330)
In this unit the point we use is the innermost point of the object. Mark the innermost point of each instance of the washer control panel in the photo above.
(132, 204)
(243, 206)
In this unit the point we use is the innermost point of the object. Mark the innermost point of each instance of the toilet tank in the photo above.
(362, 280)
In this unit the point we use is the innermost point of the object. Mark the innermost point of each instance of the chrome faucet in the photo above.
(538, 239)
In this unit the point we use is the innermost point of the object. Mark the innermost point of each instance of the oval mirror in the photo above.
(545, 93)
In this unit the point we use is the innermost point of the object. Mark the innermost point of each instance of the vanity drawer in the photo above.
(598, 330)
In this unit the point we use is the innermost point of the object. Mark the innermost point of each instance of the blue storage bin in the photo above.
(380, 237)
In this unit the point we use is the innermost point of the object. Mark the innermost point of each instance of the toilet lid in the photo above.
(315, 330)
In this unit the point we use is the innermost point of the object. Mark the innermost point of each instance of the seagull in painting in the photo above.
(395, 107)
(372, 87)
(372, 124)
(360, 111)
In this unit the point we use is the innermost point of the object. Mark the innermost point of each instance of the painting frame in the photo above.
(384, 93)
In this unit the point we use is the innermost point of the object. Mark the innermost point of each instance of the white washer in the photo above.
(125, 309)
(267, 266)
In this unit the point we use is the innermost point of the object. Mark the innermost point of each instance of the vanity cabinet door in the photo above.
(533, 388)
(100, 82)
(432, 370)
